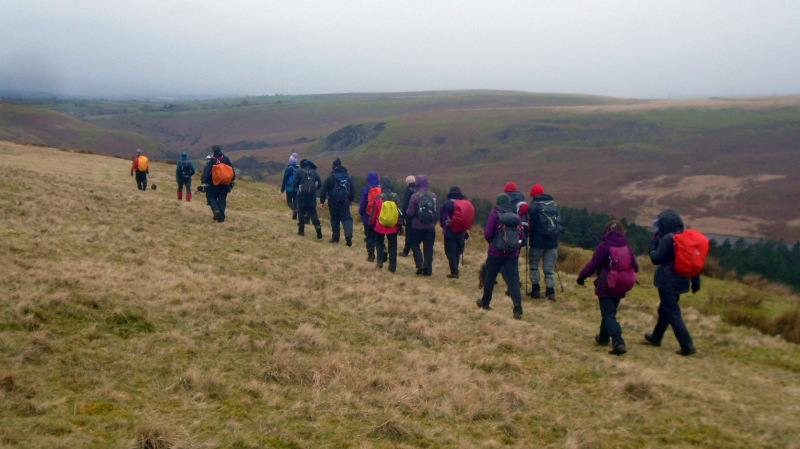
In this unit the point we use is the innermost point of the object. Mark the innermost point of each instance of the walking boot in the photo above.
(349, 241)
(550, 293)
(188, 196)
(650, 339)
(618, 349)
(294, 215)
(534, 292)
(300, 229)
(216, 215)
(319, 231)
(686, 350)
(180, 195)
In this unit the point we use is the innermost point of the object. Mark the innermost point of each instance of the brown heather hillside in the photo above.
(131, 320)
(728, 164)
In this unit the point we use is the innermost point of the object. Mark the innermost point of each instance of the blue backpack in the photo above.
(341, 191)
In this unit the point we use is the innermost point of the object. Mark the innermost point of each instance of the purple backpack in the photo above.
(621, 275)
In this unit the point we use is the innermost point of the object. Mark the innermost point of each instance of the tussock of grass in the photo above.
(130, 319)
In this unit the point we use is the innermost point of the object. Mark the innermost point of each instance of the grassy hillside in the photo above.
(36, 125)
(130, 319)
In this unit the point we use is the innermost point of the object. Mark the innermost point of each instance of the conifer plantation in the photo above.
(130, 319)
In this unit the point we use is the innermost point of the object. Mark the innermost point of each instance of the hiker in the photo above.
(387, 221)
(613, 248)
(306, 183)
(453, 241)
(183, 175)
(422, 208)
(368, 194)
(411, 187)
(141, 167)
(338, 188)
(286, 184)
(544, 228)
(517, 200)
(217, 189)
(503, 232)
(670, 284)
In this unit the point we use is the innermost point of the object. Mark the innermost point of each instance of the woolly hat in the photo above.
(293, 159)
(510, 187)
(410, 180)
(337, 162)
(503, 200)
(537, 190)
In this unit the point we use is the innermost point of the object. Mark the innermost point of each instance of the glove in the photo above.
(131, 172)
(399, 230)
(466, 235)
(232, 183)
(695, 288)
(580, 281)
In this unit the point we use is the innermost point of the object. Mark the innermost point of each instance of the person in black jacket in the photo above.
(411, 187)
(307, 197)
(669, 283)
(338, 188)
(217, 195)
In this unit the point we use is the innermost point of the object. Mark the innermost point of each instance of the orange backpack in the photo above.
(221, 174)
(373, 192)
(142, 164)
(691, 249)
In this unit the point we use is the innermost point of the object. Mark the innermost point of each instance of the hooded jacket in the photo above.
(288, 177)
(413, 204)
(179, 168)
(306, 200)
(601, 262)
(662, 253)
(207, 179)
(372, 181)
(446, 213)
(330, 184)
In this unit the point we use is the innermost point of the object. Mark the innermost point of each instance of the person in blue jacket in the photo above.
(286, 184)
(183, 175)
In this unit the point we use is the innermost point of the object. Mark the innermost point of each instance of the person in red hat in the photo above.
(544, 227)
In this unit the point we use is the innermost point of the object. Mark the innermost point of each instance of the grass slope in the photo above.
(130, 319)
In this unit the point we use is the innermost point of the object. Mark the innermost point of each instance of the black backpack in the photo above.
(549, 219)
(186, 169)
(427, 208)
(341, 191)
(308, 182)
(508, 236)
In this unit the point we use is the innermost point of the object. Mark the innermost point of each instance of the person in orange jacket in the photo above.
(141, 170)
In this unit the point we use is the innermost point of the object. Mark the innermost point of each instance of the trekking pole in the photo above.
(559, 278)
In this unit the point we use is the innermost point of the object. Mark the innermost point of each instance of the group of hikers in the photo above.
(513, 224)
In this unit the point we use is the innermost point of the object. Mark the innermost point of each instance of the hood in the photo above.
(455, 194)
(305, 163)
(184, 157)
(339, 169)
(543, 197)
(422, 183)
(372, 179)
(515, 197)
(615, 238)
(669, 221)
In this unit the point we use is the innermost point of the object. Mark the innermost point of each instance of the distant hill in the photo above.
(727, 164)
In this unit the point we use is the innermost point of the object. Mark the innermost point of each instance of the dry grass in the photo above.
(130, 319)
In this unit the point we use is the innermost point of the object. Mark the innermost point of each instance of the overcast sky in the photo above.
(622, 48)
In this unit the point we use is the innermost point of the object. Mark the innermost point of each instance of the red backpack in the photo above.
(373, 192)
(463, 216)
(691, 249)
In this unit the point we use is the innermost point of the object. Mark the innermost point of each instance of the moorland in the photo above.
(727, 164)
(129, 319)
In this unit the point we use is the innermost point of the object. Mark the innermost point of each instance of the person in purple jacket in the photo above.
(609, 300)
(423, 212)
(502, 261)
